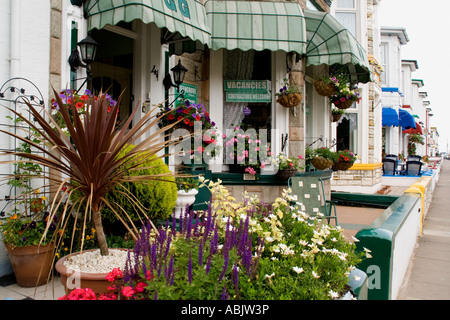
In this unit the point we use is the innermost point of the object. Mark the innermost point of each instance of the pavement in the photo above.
(428, 275)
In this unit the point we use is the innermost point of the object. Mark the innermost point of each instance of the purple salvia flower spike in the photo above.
(190, 268)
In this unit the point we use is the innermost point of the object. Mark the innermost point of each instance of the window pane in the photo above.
(348, 20)
(345, 3)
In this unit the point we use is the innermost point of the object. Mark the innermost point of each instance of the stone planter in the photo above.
(184, 199)
(72, 279)
(31, 264)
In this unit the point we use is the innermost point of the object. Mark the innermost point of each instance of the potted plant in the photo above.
(31, 256)
(287, 166)
(187, 190)
(89, 161)
(289, 96)
(346, 93)
(24, 226)
(336, 114)
(345, 160)
(322, 158)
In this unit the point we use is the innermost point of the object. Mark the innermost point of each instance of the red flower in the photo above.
(140, 287)
(190, 123)
(114, 274)
(186, 121)
(179, 118)
(197, 118)
(171, 117)
(84, 97)
(127, 291)
(346, 158)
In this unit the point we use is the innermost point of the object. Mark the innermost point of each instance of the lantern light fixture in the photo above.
(179, 71)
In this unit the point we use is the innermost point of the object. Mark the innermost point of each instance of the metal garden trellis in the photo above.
(15, 93)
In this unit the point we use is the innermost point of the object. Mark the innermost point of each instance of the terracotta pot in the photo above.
(72, 280)
(31, 264)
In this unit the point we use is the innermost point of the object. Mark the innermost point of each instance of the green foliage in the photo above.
(321, 152)
(157, 196)
(186, 183)
(21, 231)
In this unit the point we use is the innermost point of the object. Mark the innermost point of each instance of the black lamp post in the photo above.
(179, 71)
(88, 49)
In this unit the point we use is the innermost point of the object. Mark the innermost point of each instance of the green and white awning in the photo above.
(256, 25)
(188, 17)
(329, 43)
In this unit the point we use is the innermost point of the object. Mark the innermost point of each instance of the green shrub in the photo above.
(157, 197)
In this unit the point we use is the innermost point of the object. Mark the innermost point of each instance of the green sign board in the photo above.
(190, 92)
(247, 90)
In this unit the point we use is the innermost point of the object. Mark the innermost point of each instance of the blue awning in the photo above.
(406, 120)
(390, 117)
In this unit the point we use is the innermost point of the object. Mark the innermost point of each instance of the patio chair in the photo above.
(413, 168)
(391, 156)
(389, 167)
(414, 158)
(311, 197)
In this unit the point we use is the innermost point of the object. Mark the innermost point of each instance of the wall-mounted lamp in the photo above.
(179, 71)
(88, 49)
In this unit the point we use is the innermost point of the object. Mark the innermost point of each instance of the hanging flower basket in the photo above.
(285, 174)
(323, 88)
(321, 163)
(343, 104)
(336, 117)
(290, 100)
(341, 165)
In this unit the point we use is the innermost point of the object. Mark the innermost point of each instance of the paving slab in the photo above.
(428, 275)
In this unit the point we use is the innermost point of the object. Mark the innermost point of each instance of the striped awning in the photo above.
(256, 25)
(329, 43)
(188, 17)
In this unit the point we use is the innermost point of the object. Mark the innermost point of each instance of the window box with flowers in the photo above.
(345, 160)
(289, 96)
(245, 153)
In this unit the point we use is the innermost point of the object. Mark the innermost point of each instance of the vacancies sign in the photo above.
(247, 90)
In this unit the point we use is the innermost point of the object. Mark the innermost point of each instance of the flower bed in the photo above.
(241, 250)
